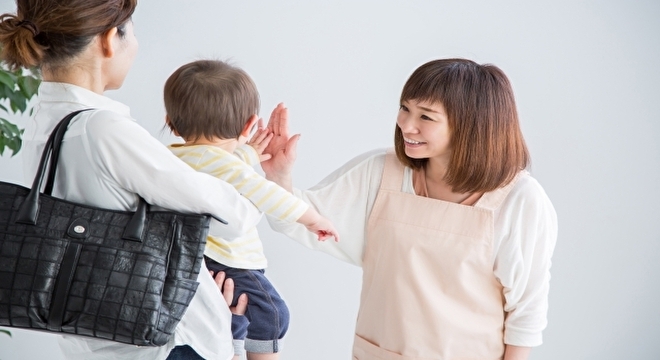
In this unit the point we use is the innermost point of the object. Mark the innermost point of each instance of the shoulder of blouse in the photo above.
(529, 189)
(369, 164)
(526, 201)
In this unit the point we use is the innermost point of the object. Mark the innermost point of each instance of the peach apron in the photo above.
(428, 291)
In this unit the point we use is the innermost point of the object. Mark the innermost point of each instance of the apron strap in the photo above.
(392, 172)
(493, 199)
(393, 180)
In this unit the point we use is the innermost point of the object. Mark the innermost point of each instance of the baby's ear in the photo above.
(247, 129)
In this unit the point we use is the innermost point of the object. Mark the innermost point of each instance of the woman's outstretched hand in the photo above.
(282, 148)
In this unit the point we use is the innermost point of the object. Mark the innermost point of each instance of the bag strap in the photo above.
(56, 145)
(29, 210)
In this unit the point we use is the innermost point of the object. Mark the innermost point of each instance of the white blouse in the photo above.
(106, 159)
(525, 237)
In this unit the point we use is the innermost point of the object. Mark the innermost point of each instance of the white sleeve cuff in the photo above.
(522, 337)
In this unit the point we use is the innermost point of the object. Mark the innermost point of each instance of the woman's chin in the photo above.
(414, 154)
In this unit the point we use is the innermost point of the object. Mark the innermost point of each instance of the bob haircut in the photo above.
(488, 148)
(209, 99)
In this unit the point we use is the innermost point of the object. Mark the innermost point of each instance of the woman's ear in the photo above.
(107, 44)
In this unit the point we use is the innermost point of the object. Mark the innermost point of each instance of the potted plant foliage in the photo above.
(17, 87)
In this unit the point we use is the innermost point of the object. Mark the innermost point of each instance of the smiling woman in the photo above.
(424, 129)
(453, 235)
(476, 105)
(586, 86)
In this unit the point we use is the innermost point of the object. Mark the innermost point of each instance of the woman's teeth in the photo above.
(412, 142)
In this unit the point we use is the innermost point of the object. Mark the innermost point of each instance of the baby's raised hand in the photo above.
(260, 139)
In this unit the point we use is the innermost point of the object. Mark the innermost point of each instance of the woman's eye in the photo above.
(424, 117)
(403, 108)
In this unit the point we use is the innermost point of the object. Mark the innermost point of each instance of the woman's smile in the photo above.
(413, 143)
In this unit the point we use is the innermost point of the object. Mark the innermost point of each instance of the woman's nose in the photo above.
(406, 124)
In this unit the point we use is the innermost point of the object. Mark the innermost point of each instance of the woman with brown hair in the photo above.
(83, 48)
(453, 234)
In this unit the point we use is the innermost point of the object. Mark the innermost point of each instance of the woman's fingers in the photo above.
(274, 120)
(241, 305)
(291, 146)
(226, 286)
(284, 121)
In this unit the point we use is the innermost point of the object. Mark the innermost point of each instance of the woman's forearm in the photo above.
(512, 352)
(282, 179)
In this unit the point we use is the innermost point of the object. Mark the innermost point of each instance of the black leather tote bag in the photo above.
(75, 269)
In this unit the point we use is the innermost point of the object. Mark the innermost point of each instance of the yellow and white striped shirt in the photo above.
(244, 252)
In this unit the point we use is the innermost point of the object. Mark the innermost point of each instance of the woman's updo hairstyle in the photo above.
(51, 32)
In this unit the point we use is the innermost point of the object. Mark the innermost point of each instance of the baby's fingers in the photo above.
(261, 138)
(326, 234)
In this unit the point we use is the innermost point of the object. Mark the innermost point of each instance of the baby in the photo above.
(213, 106)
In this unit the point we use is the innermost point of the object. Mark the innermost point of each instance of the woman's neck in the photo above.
(436, 169)
(76, 76)
(84, 70)
(437, 187)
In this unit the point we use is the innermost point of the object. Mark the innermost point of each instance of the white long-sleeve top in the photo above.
(244, 252)
(525, 237)
(105, 161)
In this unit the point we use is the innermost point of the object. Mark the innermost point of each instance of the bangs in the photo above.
(488, 148)
(425, 87)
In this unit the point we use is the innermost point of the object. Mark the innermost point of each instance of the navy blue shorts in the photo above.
(267, 314)
(183, 352)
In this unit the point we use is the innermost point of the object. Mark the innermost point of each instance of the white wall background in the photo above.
(586, 77)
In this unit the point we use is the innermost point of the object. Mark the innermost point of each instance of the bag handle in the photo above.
(29, 210)
(55, 146)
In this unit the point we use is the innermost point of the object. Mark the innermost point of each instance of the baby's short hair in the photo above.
(210, 99)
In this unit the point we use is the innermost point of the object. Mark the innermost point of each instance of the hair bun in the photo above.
(27, 24)
(19, 46)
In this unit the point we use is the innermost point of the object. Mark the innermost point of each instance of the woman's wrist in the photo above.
(512, 352)
(283, 180)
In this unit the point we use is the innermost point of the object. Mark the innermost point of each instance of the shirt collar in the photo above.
(58, 92)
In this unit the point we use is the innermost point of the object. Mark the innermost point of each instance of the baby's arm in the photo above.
(266, 195)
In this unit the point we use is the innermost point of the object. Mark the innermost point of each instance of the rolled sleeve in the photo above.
(523, 260)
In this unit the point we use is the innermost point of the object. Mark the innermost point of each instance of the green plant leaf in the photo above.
(5, 332)
(8, 78)
(29, 86)
(14, 145)
(8, 127)
(17, 101)
(16, 89)
(2, 143)
(10, 137)
(4, 91)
